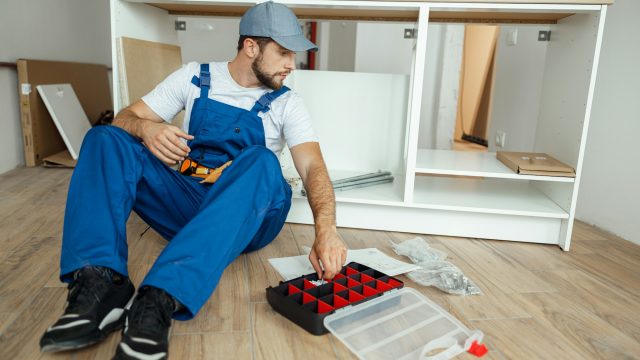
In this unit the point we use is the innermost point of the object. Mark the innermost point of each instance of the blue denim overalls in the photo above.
(208, 225)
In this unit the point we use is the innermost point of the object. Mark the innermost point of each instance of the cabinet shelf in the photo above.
(475, 164)
(491, 196)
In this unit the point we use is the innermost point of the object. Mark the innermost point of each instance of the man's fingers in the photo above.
(329, 267)
(170, 157)
(173, 148)
(183, 134)
(315, 263)
(154, 150)
(176, 141)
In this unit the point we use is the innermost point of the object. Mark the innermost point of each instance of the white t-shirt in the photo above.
(287, 121)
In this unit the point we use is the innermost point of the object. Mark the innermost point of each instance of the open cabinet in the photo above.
(367, 122)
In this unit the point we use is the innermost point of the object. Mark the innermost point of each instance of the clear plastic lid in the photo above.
(401, 325)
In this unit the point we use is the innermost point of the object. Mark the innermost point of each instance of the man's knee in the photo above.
(107, 134)
(261, 154)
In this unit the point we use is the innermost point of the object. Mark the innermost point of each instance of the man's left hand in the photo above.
(330, 250)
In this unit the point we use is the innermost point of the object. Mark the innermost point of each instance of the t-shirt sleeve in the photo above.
(169, 97)
(297, 127)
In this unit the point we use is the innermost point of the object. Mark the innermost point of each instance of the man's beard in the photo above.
(266, 79)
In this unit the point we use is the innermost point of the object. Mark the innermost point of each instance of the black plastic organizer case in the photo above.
(300, 301)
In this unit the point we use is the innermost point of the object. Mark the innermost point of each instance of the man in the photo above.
(228, 198)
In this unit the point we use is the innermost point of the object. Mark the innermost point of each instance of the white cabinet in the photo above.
(368, 122)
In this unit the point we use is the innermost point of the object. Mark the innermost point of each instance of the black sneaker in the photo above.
(95, 307)
(146, 332)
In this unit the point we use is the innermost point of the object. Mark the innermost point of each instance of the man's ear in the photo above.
(251, 48)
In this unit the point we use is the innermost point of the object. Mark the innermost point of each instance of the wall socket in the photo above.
(500, 138)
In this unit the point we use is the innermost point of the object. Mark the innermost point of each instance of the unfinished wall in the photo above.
(66, 30)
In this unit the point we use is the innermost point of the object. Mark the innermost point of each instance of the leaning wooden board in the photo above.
(40, 136)
(142, 65)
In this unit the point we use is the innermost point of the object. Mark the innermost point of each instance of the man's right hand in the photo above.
(163, 140)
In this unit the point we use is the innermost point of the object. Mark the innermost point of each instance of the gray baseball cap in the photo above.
(278, 22)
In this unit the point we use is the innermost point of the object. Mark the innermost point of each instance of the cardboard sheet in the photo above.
(529, 163)
(62, 159)
(91, 84)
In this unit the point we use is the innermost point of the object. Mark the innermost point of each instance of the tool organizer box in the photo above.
(306, 304)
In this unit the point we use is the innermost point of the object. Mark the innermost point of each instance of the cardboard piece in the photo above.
(62, 159)
(529, 163)
(91, 84)
(67, 114)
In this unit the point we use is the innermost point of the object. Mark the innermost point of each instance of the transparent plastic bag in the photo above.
(434, 269)
(418, 250)
(445, 276)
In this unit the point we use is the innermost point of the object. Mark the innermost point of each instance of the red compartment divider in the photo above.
(306, 298)
(365, 278)
(354, 296)
(339, 302)
(351, 271)
(338, 276)
(394, 283)
(382, 286)
(337, 288)
(352, 283)
(323, 307)
(292, 290)
(369, 291)
(308, 284)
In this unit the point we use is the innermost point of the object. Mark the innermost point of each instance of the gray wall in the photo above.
(610, 187)
(66, 30)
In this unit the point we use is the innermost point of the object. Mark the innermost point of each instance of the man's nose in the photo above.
(291, 62)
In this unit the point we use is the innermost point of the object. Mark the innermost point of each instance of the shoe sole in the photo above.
(87, 340)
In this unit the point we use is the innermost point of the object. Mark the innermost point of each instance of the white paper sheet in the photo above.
(295, 266)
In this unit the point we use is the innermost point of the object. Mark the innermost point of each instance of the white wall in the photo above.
(609, 194)
(441, 84)
(519, 71)
(342, 45)
(382, 48)
(209, 39)
(65, 30)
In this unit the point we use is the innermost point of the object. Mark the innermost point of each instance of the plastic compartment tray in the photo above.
(307, 305)
(404, 325)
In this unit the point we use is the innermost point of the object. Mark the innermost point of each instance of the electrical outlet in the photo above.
(500, 138)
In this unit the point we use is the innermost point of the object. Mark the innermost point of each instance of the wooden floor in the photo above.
(538, 302)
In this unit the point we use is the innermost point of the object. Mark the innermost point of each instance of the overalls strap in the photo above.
(204, 81)
(262, 105)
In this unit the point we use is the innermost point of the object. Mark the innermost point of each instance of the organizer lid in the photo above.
(403, 324)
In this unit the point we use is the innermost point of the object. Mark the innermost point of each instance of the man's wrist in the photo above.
(325, 229)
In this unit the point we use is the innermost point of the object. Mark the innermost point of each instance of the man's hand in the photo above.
(163, 140)
(330, 250)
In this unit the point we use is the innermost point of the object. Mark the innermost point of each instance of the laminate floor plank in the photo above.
(21, 338)
(583, 329)
(211, 346)
(227, 309)
(260, 272)
(496, 268)
(275, 337)
(598, 298)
